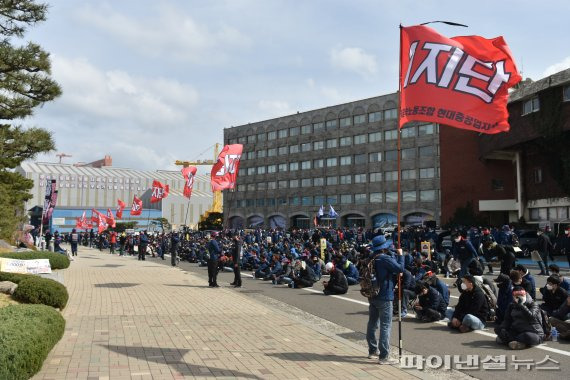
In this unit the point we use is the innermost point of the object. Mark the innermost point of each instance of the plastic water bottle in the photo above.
(554, 334)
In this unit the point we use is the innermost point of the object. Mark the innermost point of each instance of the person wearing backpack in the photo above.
(386, 267)
(522, 326)
(74, 240)
(472, 309)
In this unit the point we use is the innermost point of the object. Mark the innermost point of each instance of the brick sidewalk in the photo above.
(128, 319)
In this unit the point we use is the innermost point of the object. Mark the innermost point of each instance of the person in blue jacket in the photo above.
(463, 251)
(526, 276)
(431, 305)
(350, 271)
(387, 265)
(505, 296)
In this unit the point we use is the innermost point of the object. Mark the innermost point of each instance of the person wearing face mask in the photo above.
(527, 278)
(553, 296)
(522, 324)
(564, 283)
(463, 251)
(544, 248)
(471, 310)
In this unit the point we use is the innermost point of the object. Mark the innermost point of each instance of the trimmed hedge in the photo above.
(27, 335)
(14, 277)
(56, 260)
(41, 290)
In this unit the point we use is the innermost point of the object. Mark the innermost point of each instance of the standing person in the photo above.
(122, 242)
(112, 242)
(215, 250)
(386, 266)
(74, 240)
(236, 258)
(174, 240)
(565, 244)
(544, 249)
(143, 243)
(463, 251)
(48, 237)
(91, 238)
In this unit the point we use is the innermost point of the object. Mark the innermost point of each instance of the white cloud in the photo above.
(354, 59)
(168, 33)
(562, 65)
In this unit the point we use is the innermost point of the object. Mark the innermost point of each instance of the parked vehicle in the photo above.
(528, 242)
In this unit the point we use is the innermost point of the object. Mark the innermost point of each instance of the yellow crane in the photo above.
(217, 201)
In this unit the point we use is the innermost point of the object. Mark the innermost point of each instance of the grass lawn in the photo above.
(6, 300)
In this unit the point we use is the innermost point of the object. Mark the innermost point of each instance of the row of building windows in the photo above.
(318, 200)
(408, 174)
(533, 104)
(549, 213)
(86, 178)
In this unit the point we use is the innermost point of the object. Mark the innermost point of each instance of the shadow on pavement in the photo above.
(362, 312)
(115, 285)
(310, 356)
(352, 335)
(109, 266)
(187, 286)
(175, 359)
(488, 344)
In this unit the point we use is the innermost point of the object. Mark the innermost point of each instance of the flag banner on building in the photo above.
(461, 81)
(120, 207)
(136, 208)
(110, 218)
(50, 198)
(188, 174)
(159, 191)
(225, 170)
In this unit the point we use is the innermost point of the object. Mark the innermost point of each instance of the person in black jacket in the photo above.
(471, 310)
(337, 283)
(305, 278)
(522, 324)
(505, 297)
(554, 296)
(431, 306)
(544, 248)
(518, 280)
(236, 258)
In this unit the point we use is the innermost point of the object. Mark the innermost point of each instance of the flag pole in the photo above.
(187, 209)
(400, 339)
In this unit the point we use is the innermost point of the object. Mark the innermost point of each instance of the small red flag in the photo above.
(95, 215)
(159, 191)
(102, 224)
(136, 208)
(120, 208)
(225, 170)
(188, 174)
(462, 81)
(110, 219)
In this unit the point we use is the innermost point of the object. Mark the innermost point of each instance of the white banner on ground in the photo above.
(25, 266)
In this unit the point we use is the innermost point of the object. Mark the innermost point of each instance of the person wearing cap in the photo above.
(504, 297)
(237, 257)
(215, 251)
(544, 248)
(386, 267)
(337, 283)
(463, 251)
(431, 306)
(471, 310)
(504, 254)
(554, 296)
(522, 324)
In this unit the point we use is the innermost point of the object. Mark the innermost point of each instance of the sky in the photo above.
(150, 82)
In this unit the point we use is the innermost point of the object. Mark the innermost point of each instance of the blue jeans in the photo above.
(380, 314)
(473, 322)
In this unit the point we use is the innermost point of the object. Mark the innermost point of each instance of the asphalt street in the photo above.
(351, 311)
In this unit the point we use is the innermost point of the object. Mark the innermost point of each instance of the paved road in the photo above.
(350, 311)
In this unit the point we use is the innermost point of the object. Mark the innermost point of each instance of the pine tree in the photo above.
(25, 83)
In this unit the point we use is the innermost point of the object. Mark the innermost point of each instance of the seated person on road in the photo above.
(263, 270)
(286, 276)
(337, 284)
(561, 320)
(505, 296)
(553, 296)
(431, 306)
(518, 280)
(350, 271)
(527, 277)
(432, 280)
(276, 268)
(305, 278)
(472, 309)
(408, 293)
(522, 324)
(564, 283)
(317, 266)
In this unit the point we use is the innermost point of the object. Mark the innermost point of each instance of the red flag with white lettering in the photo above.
(225, 170)
(462, 81)
(188, 174)
(159, 191)
(136, 208)
(120, 208)
(110, 218)
(102, 223)
(95, 215)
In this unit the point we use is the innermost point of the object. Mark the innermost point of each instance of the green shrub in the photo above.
(27, 335)
(56, 260)
(41, 290)
(14, 277)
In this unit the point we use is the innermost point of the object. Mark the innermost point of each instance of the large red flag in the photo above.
(136, 208)
(462, 81)
(225, 170)
(188, 174)
(95, 215)
(102, 223)
(81, 223)
(120, 208)
(110, 218)
(159, 191)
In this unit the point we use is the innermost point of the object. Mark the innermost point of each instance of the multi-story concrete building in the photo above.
(344, 156)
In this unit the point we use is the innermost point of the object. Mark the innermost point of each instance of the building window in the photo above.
(332, 199)
(408, 132)
(250, 156)
(409, 174)
(293, 166)
(375, 157)
(374, 116)
(331, 124)
(391, 197)
(539, 213)
(250, 171)
(566, 94)
(261, 170)
(332, 181)
(332, 161)
(408, 154)
(320, 163)
(250, 202)
(261, 153)
(426, 129)
(260, 137)
(391, 134)
(293, 149)
(306, 129)
(346, 141)
(272, 185)
(427, 195)
(360, 159)
(282, 168)
(294, 183)
(331, 143)
(272, 152)
(260, 202)
(318, 181)
(305, 165)
(232, 141)
(271, 202)
(242, 140)
(359, 139)
(318, 127)
(360, 198)
(531, 105)
(345, 122)
(319, 200)
(376, 177)
(391, 175)
(345, 179)
(375, 197)
(426, 151)
(271, 135)
(306, 147)
(359, 119)
(251, 139)
(374, 137)
(271, 169)
(282, 133)
(537, 175)
(294, 131)
(306, 182)
(409, 196)
(497, 185)
(345, 199)
(390, 114)
(391, 155)
(318, 145)
(282, 151)
(427, 173)
(307, 201)
(294, 201)
(250, 187)
(360, 178)
(345, 160)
